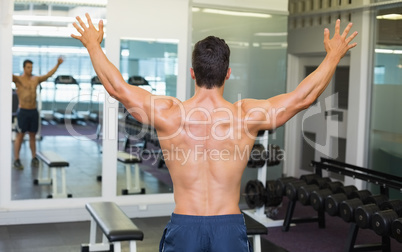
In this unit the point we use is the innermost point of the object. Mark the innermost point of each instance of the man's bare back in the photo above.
(207, 157)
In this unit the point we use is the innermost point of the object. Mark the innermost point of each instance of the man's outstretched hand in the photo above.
(339, 44)
(90, 34)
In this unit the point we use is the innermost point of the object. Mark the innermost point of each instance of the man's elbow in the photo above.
(306, 102)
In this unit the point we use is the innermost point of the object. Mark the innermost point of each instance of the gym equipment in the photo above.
(317, 198)
(274, 155)
(304, 192)
(116, 227)
(259, 213)
(131, 161)
(321, 182)
(333, 201)
(280, 185)
(258, 156)
(70, 114)
(364, 213)
(381, 221)
(93, 114)
(144, 133)
(347, 207)
(396, 229)
(292, 189)
(54, 163)
(255, 194)
(272, 199)
(383, 180)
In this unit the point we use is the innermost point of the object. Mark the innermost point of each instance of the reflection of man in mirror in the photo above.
(27, 114)
(206, 141)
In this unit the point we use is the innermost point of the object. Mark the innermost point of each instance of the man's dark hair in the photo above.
(27, 62)
(210, 61)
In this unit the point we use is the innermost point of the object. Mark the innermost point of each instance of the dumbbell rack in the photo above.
(383, 180)
(258, 213)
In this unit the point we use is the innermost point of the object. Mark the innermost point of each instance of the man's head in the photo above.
(27, 66)
(210, 62)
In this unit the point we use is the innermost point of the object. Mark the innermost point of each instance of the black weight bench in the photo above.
(115, 225)
(55, 163)
(130, 161)
(255, 230)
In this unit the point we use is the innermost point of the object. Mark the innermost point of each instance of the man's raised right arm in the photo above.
(111, 78)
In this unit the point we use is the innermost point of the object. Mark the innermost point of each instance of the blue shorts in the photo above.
(28, 120)
(221, 233)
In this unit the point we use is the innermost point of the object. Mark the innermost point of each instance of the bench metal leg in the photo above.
(56, 193)
(54, 189)
(257, 243)
(132, 183)
(43, 180)
(117, 246)
(93, 246)
(133, 246)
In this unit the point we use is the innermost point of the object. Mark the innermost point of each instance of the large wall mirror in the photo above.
(153, 65)
(69, 103)
(385, 153)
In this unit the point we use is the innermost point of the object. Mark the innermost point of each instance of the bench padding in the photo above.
(254, 227)
(51, 159)
(127, 158)
(115, 224)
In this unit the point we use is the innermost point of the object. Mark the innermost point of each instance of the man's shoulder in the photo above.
(165, 102)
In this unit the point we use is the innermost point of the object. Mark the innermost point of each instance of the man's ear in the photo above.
(228, 73)
(192, 73)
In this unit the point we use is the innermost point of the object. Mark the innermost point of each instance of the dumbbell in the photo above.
(280, 184)
(347, 207)
(272, 198)
(321, 181)
(317, 198)
(333, 201)
(382, 220)
(292, 187)
(303, 193)
(396, 229)
(364, 213)
(258, 156)
(255, 194)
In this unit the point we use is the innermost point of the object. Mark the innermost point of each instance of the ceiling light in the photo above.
(30, 49)
(390, 17)
(388, 51)
(271, 34)
(236, 13)
(51, 19)
(45, 31)
(100, 3)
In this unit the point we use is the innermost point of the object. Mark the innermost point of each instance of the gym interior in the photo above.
(345, 151)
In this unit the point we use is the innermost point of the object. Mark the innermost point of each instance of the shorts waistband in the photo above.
(24, 109)
(218, 219)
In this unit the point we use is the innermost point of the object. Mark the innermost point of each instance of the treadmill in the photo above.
(68, 113)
